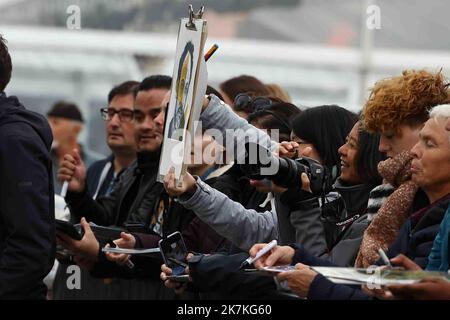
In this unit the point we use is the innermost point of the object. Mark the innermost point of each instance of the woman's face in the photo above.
(348, 153)
(305, 149)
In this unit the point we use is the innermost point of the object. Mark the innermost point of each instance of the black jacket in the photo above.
(198, 236)
(218, 277)
(27, 231)
(136, 198)
(132, 200)
(333, 229)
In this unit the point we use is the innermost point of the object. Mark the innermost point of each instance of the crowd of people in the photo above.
(351, 184)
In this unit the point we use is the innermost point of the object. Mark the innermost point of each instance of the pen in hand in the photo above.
(384, 257)
(272, 244)
(129, 263)
(64, 188)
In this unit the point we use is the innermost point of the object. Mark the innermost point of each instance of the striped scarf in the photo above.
(377, 197)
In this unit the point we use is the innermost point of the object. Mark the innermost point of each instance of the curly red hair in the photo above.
(404, 99)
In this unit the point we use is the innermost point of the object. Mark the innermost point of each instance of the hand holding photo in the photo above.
(188, 84)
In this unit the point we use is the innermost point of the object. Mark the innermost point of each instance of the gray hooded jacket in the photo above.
(244, 227)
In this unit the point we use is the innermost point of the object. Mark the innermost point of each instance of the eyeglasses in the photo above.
(244, 102)
(125, 115)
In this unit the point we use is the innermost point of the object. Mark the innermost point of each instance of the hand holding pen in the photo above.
(388, 262)
(72, 173)
(272, 244)
(117, 257)
(384, 257)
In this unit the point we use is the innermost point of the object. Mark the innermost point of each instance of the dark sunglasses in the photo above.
(244, 102)
(125, 115)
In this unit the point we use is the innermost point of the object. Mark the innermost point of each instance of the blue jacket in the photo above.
(440, 252)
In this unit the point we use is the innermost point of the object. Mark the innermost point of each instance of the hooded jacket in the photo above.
(27, 232)
(243, 227)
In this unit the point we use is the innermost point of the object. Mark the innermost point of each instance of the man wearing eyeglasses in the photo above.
(136, 198)
(127, 201)
(101, 177)
(104, 174)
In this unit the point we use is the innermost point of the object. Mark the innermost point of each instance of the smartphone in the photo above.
(182, 278)
(174, 253)
(76, 232)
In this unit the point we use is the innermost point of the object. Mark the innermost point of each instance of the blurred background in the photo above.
(320, 51)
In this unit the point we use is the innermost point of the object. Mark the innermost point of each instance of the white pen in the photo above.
(129, 263)
(384, 257)
(64, 188)
(272, 244)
